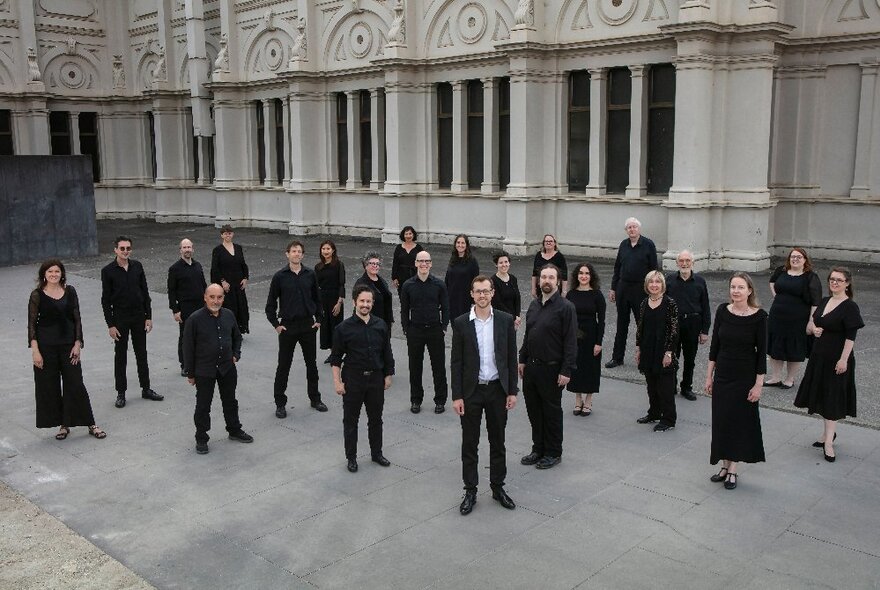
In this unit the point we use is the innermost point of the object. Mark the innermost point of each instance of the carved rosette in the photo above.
(360, 39)
(616, 12)
(472, 22)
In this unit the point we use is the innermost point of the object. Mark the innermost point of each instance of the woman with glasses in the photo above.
(796, 293)
(382, 304)
(829, 384)
(549, 254)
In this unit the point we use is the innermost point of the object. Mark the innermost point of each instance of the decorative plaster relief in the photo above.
(616, 12)
(221, 64)
(581, 18)
(397, 32)
(4, 5)
(270, 51)
(445, 38)
(34, 74)
(360, 39)
(525, 14)
(340, 54)
(76, 9)
(657, 11)
(502, 31)
(143, 8)
(853, 10)
(300, 44)
(118, 73)
(472, 22)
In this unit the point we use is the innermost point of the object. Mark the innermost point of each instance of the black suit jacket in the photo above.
(466, 355)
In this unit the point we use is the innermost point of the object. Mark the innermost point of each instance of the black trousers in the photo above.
(59, 405)
(205, 395)
(628, 298)
(328, 302)
(543, 399)
(417, 339)
(491, 399)
(661, 397)
(186, 310)
(688, 341)
(303, 334)
(368, 391)
(135, 328)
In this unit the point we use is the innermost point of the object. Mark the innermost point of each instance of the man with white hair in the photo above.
(636, 257)
(689, 291)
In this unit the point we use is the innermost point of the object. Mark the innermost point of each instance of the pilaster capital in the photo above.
(598, 73)
(638, 71)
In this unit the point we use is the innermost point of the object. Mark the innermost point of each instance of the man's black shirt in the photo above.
(551, 334)
(298, 294)
(186, 284)
(691, 296)
(210, 342)
(364, 346)
(124, 293)
(634, 262)
(424, 303)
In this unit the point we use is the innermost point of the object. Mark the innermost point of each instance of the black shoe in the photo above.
(502, 498)
(182, 373)
(689, 394)
(120, 400)
(663, 427)
(530, 459)
(415, 408)
(647, 419)
(280, 412)
(828, 457)
(467, 504)
(202, 448)
(547, 462)
(439, 409)
(774, 384)
(319, 405)
(241, 436)
(613, 363)
(718, 478)
(730, 482)
(148, 393)
(352, 465)
(327, 360)
(381, 460)
(819, 444)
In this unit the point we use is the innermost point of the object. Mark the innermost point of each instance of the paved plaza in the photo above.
(626, 508)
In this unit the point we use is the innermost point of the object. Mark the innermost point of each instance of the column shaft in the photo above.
(638, 133)
(459, 137)
(598, 130)
(354, 139)
(490, 136)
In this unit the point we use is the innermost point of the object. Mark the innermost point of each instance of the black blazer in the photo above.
(465, 364)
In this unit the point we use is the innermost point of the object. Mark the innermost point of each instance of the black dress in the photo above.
(822, 390)
(507, 296)
(558, 260)
(590, 307)
(331, 283)
(789, 314)
(739, 349)
(55, 324)
(403, 265)
(232, 268)
(458, 284)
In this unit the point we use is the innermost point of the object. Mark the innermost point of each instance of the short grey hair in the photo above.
(687, 252)
(630, 220)
(369, 255)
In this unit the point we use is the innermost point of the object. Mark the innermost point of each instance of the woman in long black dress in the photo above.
(403, 265)
(463, 267)
(549, 254)
(382, 304)
(507, 296)
(734, 379)
(55, 337)
(590, 306)
(796, 293)
(230, 271)
(657, 335)
(829, 384)
(330, 273)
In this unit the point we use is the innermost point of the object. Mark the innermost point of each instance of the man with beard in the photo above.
(186, 290)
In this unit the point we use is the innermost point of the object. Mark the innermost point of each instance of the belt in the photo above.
(488, 382)
(547, 363)
(361, 371)
(695, 314)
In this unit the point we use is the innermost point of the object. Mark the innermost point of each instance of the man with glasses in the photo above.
(691, 296)
(125, 300)
(424, 317)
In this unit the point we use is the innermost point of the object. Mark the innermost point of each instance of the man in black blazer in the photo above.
(484, 377)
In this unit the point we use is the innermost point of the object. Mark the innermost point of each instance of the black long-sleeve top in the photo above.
(228, 267)
(425, 303)
(551, 334)
(54, 321)
(363, 346)
(186, 284)
(656, 338)
(210, 342)
(507, 296)
(124, 293)
(691, 296)
(403, 265)
(297, 294)
(458, 284)
(557, 260)
(382, 304)
(634, 262)
(737, 339)
(331, 278)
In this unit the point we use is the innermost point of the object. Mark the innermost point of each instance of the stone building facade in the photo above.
(735, 128)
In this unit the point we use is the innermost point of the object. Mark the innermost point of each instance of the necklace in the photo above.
(736, 311)
(655, 298)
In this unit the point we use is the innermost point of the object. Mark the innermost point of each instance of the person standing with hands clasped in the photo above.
(483, 379)
(689, 291)
(186, 291)
(363, 344)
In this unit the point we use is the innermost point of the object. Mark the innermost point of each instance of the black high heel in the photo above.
(819, 444)
(828, 457)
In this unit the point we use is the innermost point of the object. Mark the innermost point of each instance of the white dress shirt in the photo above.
(485, 330)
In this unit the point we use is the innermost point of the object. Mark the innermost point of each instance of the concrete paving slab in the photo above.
(639, 568)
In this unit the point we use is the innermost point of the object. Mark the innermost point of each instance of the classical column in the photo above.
(271, 156)
(173, 138)
(285, 121)
(866, 179)
(490, 136)
(354, 139)
(459, 137)
(598, 130)
(312, 118)
(73, 129)
(377, 136)
(638, 133)
(231, 117)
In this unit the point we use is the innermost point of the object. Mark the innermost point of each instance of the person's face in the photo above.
(214, 298)
(373, 266)
(584, 276)
(549, 244)
(503, 264)
(655, 286)
(326, 251)
(739, 290)
(408, 236)
(796, 260)
(548, 281)
(460, 246)
(423, 262)
(482, 294)
(53, 275)
(633, 230)
(364, 303)
(227, 236)
(295, 255)
(123, 249)
(685, 263)
(186, 249)
(837, 283)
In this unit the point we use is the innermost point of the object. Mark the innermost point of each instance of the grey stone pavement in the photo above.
(625, 508)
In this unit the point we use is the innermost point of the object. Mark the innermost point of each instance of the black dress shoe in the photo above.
(647, 419)
(415, 408)
(828, 457)
(320, 406)
(280, 412)
(467, 504)
(352, 465)
(547, 462)
(663, 427)
(502, 498)
(530, 459)
(202, 448)
(820, 445)
(120, 400)
(689, 394)
(730, 482)
(148, 393)
(439, 409)
(182, 373)
(381, 460)
(241, 436)
(718, 477)
(613, 363)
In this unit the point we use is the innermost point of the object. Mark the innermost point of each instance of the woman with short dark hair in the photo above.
(230, 271)
(403, 264)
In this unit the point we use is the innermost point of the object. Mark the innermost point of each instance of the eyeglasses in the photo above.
(836, 280)
(481, 291)
(124, 248)
(374, 263)
(427, 261)
(796, 257)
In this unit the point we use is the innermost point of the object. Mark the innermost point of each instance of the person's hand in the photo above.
(337, 308)
(191, 380)
(562, 380)
(242, 284)
(704, 338)
(279, 328)
(817, 331)
(708, 386)
(38, 358)
(387, 381)
(755, 393)
(316, 325)
(840, 367)
(396, 284)
(511, 402)
(178, 317)
(597, 349)
(458, 406)
(225, 285)
(520, 369)
(612, 297)
(148, 325)
(638, 355)
(234, 360)
(74, 353)
(114, 333)
(339, 386)
(517, 321)
(667, 359)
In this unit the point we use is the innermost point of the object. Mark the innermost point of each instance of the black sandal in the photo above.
(62, 434)
(718, 478)
(577, 410)
(730, 482)
(97, 432)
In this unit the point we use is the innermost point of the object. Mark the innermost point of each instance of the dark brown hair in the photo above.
(594, 276)
(41, 274)
(455, 258)
(808, 266)
(841, 269)
(296, 243)
(334, 260)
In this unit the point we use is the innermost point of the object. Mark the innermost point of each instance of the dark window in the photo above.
(661, 128)
(279, 140)
(59, 132)
(503, 132)
(6, 145)
(195, 145)
(261, 141)
(385, 135)
(444, 134)
(209, 152)
(475, 134)
(151, 130)
(366, 138)
(342, 137)
(578, 131)
(88, 142)
(617, 155)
